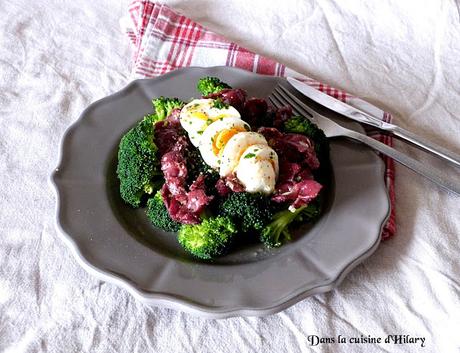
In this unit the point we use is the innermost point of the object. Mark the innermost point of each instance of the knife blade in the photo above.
(366, 118)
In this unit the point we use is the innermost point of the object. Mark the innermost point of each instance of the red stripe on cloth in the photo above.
(189, 49)
(196, 42)
(178, 32)
(154, 68)
(181, 49)
(282, 70)
(244, 59)
(390, 227)
(198, 31)
(266, 66)
(145, 18)
(230, 55)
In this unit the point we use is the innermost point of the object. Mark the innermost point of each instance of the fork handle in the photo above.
(427, 145)
(418, 167)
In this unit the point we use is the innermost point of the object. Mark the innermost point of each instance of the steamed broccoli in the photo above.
(208, 85)
(159, 215)
(301, 125)
(277, 232)
(137, 163)
(196, 165)
(209, 239)
(219, 104)
(164, 106)
(249, 211)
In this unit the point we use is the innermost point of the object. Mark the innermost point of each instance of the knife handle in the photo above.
(426, 145)
(418, 167)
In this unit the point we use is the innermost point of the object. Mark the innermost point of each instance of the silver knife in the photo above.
(366, 118)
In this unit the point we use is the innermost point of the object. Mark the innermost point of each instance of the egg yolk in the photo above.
(221, 139)
(200, 115)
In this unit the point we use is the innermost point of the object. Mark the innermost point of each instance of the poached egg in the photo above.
(227, 145)
(258, 169)
(197, 115)
(216, 137)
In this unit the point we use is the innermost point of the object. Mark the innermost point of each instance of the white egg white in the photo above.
(227, 145)
(235, 148)
(199, 113)
(258, 169)
(216, 136)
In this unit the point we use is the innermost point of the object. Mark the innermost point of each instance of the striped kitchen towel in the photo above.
(164, 40)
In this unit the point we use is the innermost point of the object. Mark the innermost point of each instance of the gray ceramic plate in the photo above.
(117, 244)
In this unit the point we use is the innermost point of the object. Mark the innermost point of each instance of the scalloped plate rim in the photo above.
(170, 300)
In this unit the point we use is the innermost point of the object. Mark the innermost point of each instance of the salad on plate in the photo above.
(224, 169)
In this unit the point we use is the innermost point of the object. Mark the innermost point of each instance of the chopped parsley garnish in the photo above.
(249, 155)
(219, 104)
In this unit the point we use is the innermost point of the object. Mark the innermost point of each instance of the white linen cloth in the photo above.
(57, 57)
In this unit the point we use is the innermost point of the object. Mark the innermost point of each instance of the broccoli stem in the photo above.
(276, 232)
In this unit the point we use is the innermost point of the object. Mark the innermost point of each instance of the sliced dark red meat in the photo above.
(291, 147)
(255, 112)
(184, 204)
(236, 97)
(228, 184)
(168, 132)
(298, 194)
(304, 146)
(297, 157)
(282, 115)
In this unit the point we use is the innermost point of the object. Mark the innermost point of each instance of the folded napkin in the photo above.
(164, 40)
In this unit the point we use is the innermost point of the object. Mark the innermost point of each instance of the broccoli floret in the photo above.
(208, 85)
(251, 212)
(209, 239)
(195, 163)
(137, 163)
(159, 215)
(301, 125)
(196, 166)
(277, 232)
(137, 160)
(164, 106)
(219, 104)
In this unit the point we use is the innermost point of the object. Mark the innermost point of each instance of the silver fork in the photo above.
(282, 97)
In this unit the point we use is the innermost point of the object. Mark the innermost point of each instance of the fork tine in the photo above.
(293, 100)
(272, 101)
(275, 101)
(285, 101)
(282, 102)
(280, 98)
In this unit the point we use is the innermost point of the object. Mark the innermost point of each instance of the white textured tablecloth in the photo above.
(56, 57)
